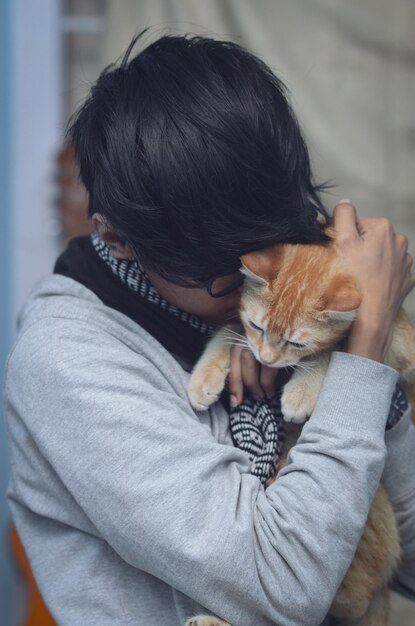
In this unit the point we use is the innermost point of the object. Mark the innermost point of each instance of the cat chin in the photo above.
(275, 364)
(279, 364)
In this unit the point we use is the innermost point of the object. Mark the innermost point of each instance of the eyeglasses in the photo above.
(217, 288)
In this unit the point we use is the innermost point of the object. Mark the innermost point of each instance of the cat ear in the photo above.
(342, 316)
(262, 266)
(342, 299)
(257, 280)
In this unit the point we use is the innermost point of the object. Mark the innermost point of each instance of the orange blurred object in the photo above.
(72, 201)
(37, 613)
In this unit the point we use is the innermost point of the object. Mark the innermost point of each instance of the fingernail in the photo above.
(345, 201)
(233, 400)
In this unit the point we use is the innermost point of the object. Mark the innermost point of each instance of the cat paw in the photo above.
(205, 620)
(205, 387)
(298, 402)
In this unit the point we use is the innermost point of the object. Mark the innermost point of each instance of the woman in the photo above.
(132, 507)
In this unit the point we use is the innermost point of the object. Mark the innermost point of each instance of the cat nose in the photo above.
(267, 361)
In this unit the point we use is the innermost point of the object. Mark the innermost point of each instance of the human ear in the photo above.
(119, 248)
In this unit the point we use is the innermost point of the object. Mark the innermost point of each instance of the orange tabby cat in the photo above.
(297, 304)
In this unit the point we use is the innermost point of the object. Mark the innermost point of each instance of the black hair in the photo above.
(191, 151)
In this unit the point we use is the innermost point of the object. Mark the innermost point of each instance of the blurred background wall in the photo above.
(5, 326)
(350, 67)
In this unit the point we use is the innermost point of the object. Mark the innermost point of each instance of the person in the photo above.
(133, 507)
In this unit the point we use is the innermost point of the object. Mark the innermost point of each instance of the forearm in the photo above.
(335, 470)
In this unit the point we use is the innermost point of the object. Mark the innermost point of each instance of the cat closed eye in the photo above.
(294, 344)
(255, 327)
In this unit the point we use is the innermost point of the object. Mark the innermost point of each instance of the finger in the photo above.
(250, 373)
(402, 241)
(235, 383)
(345, 219)
(366, 225)
(409, 286)
(407, 269)
(267, 380)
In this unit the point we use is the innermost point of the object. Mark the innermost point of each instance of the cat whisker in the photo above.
(243, 339)
(240, 339)
(304, 366)
(233, 332)
(310, 370)
(237, 343)
(236, 337)
(230, 317)
(308, 364)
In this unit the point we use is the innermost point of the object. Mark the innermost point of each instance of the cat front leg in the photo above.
(300, 394)
(206, 620)
(209, 374)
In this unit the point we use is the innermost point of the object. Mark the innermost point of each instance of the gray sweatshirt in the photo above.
(134, 509)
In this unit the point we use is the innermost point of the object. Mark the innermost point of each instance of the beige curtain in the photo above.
(350, 66)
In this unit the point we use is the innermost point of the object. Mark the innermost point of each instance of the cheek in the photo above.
(215, 310)
(255, 340)
(320, 337)
(290, 354)
(327, 336)
(303, 354)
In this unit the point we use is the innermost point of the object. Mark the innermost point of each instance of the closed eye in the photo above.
(294, 344)
(257, 328)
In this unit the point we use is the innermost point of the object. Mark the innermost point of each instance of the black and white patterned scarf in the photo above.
(257, 425)
(131, 274)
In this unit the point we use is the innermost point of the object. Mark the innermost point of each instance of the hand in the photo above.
(378, 258)
(246, 371)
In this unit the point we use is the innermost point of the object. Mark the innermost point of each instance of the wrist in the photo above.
(368, 338)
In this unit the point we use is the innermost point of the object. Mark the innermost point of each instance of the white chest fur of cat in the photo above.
(297, 304)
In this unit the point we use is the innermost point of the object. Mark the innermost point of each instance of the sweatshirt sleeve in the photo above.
(399, 480)
(172, 501)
